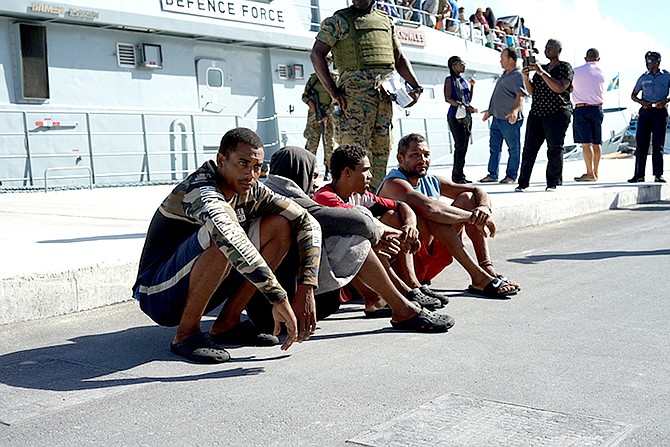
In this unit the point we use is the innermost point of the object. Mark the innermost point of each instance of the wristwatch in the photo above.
(418, 88)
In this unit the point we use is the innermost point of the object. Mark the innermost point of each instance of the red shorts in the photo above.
(430, 260)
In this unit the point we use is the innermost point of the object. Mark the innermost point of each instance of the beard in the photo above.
(414, 173)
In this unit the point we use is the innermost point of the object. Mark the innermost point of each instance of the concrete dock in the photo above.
(578, 358)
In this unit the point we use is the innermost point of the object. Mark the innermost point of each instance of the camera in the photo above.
(528, 61)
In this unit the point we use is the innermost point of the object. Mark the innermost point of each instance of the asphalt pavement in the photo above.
(578, 358)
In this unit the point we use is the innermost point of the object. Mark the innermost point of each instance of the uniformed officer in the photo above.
(366, 51)
(320, 118)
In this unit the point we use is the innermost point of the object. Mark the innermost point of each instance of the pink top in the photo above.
(588, 83)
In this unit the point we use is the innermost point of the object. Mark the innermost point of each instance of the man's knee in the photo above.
(466, 201)
(275, 229)
(392, 219)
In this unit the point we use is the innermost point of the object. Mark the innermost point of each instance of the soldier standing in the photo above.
(320, 118)
(366, 51)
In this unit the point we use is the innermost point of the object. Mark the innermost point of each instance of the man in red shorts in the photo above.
(350, 168)
(441, 225)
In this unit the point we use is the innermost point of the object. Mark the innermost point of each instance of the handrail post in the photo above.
(29, 158)
(90, 146)
(146, 146)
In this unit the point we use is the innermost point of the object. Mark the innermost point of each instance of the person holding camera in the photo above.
(505, 108)
(549, 117)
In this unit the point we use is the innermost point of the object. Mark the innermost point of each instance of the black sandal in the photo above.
(200, 348)
(425, 321)
(245, 334)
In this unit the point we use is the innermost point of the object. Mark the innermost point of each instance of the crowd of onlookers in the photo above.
(446, 15)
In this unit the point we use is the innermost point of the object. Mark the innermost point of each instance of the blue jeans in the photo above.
(502, 130)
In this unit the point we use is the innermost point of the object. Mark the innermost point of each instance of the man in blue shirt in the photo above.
(653, 117)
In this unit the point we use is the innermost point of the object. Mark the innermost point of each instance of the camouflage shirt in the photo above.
(336, 28)
(198, 202)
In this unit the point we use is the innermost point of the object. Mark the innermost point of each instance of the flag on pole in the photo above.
(614, 83)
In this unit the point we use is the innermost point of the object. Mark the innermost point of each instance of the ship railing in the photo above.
(114, 147)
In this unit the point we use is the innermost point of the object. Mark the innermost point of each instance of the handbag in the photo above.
(462, 115)
(461, 112)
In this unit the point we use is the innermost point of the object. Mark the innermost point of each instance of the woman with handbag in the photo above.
(458, 93)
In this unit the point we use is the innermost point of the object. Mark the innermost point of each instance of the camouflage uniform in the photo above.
(197, 205)
(368, 119)
(314, 130)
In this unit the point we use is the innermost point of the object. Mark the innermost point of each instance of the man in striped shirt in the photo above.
(221, 218)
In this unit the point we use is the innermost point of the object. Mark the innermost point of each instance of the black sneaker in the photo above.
(430, 292)
(550, 188)
(519, 189)
(659, 179)
(422, 300)
(636, 180)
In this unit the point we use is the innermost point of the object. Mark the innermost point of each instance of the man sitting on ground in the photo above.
(350, 168)
(217, 219)
(441, 225)
(348, 235)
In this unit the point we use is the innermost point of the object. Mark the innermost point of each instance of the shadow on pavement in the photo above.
(588, 256)
(94, 238)
(103, 361)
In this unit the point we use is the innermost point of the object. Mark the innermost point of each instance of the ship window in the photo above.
(34, 76)
(430, 92)
(214, 77)
(125, 55)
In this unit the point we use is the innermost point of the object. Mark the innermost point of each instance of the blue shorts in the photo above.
(587, 124)
(162, 291)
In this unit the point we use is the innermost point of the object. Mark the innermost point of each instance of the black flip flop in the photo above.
(200, 348)
(382, 312)
(245, 334)
(492, 290)
(425, 321)
(506, 279)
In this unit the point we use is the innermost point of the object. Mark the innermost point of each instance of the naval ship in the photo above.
(104, 93)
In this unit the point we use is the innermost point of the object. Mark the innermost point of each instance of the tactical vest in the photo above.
(314, 84)
(369, 43)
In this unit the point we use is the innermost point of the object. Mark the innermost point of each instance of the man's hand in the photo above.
(480, 215)
(410, 238)
(304, 308)
(414, 94)
(340, 98)
(389, 243)
(512, 117)
(282, 313)
(485, 115)
(481, 219)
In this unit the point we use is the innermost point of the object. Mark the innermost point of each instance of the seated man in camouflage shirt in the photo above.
(220, 217)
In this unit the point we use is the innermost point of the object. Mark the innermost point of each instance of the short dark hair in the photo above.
(239, 135)
(592, 53)
(511, 53)
(346, 156)
(405, 141)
